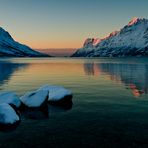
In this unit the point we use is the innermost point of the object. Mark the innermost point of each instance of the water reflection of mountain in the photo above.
(7, 69)
(89, 68)
(134, 76)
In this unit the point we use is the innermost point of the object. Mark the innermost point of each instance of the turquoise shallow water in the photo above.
(110, 103)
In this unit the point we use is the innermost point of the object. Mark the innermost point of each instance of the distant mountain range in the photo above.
(9, 47)
(131, 40)
(58, 52)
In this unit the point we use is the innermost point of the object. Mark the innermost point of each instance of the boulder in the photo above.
(9, 118)
(57, 94)
(10, 98)
(35, 99)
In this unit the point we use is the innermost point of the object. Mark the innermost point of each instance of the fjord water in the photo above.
(110, 102)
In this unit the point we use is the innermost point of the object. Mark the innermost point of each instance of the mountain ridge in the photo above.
(11, 48)
(131, 40)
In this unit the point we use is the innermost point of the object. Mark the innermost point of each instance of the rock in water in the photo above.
(35, 99)
(57, 94)
(8, 117)
(36, 113)
(10, 98)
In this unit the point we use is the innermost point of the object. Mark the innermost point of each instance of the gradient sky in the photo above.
(66, 23)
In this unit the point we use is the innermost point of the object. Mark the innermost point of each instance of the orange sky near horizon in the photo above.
(38, 43)
(44, 24)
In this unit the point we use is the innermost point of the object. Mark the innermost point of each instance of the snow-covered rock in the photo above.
(8, 114)
(35, 99)
(131, 40)
(10, 98)
(57, 93)
(9, 47)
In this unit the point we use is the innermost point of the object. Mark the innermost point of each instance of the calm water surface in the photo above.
(110, 103)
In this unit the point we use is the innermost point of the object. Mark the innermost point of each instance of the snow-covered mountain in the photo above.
(131, 40)
(9, 47)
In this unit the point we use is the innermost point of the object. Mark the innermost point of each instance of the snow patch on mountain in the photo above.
(9, 47)
(131, 40)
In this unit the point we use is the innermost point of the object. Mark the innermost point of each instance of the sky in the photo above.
(43, 24)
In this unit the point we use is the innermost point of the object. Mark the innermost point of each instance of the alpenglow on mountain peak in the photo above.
(135, 20)
(131, 40)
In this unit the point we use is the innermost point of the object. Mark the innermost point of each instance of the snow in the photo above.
(56, 93)
(10, 98)
(129, 41)
(91, 42)
(8, 114)
(8, 46)
(96, 41)
(110, 35)
(88, 43)
(35, 98)
(133, 21)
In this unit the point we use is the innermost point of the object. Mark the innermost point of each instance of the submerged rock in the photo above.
(35, 99)
(9, 118)
(57, 94)
(35, 113)
(10, 98)
(59, 108)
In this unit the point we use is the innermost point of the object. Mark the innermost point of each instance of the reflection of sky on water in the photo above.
(134, 76)
(22, 75)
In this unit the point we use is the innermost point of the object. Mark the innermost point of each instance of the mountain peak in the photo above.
(131, 40)
(9, 47)
(110, 35)
(4, 33)
(135, 20)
